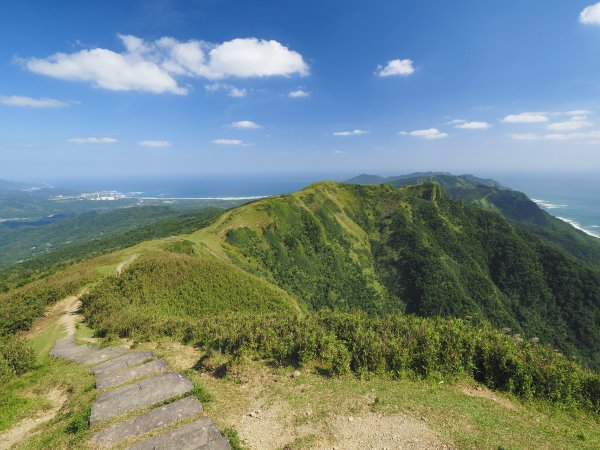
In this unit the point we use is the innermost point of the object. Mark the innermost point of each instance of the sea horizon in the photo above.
(571, 197)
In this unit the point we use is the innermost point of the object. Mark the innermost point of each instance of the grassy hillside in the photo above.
(514, 205)
(167, 292)
(415, 250)
(321, 280)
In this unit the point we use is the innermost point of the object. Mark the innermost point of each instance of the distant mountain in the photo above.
(14, 186)
(444, 179)
(514, 205)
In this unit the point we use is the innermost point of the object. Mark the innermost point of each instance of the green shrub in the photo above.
(16, 357)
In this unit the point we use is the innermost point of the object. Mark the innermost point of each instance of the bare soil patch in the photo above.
(62, 311)
(489, 395)
(26, 427)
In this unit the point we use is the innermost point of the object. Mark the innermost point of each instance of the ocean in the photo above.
(574, 198)
(200, 186)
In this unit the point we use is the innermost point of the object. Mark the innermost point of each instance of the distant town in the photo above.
(94, 196)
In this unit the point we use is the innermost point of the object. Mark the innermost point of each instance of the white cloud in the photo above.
(228, 142)
(574, 123)
(153, 66)
(473, 125)
(581, 136)
(350, 133)
(430, 133)
(155, 144)
(338, 152)
(403, 133)
(245, 125)
(579, 112)
(526, 117)
(236, 92)
(232, 91)
(254, 58)
(299, 93)
(402, 67)
(525, 136)
(93, 140)
(28, 102)
(590, 15)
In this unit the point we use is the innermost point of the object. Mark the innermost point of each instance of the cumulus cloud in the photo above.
(396, 67)
(468, 125)
(28, 102)
(590, 15)
(93, 140)
(154, 144)
(232, 91)
(430, 133)
(245, 125)
(153, 66)
(350, 133)
(526, 117)
(228, 142)
(299, 93)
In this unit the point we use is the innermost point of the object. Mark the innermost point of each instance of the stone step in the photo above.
(71, 352)
(141, 394)
(123, 362)
(200, 434)
(144, 423)
(104, 381)
(103, 354)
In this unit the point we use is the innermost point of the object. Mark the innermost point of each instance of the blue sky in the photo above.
(172, 87)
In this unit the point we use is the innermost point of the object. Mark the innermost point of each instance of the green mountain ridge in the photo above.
(411, 250)
(514, 205)
(336, 277)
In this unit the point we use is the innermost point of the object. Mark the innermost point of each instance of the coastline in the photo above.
(548, 206)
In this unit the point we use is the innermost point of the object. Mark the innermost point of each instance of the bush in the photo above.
(16, 357)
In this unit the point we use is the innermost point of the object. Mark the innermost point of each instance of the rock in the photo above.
(296, 374)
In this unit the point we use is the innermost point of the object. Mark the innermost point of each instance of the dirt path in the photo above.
(63, 312)
(128, 261)
(26, 427)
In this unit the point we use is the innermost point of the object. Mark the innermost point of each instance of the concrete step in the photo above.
(144, 423)
(108, 380)
(141, 394)
(72, 352)
(103, 354)
(122, 362)
(200, 434)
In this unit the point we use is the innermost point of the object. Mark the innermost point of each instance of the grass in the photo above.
(310, 403)
(459, 419)
(43, 342)
(26, 397)
(83, 332)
